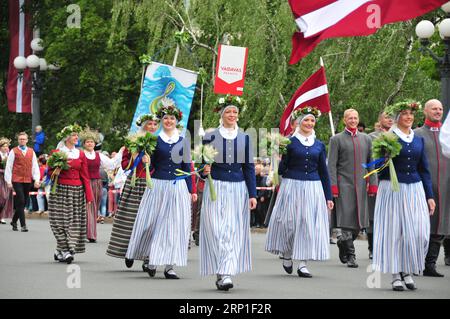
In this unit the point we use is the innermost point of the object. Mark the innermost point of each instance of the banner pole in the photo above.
(177, 51)
(330, 116)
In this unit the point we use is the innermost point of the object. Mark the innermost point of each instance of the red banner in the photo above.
(230, 70)
(19, 89)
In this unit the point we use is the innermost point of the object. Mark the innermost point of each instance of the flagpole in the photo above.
(330, 116)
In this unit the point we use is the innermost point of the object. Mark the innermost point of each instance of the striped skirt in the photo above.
(401, 229)
(6, 198)
(225, 230)
(299, 223)
(67, 215)
(93, 207)
(162, 227)
(125, 217)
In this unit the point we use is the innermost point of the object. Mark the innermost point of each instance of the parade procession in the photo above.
(207, 149)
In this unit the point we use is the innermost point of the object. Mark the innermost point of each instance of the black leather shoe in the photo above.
(224, 287)
(432, 272)
(92, 240)
(342, 251)
(303, 274)
(170, 276)
(145, 267)
(24, 229)
(288, 269)
(151, 272)
(411, 286)
(370, 255)
(397, 287)
(14, 226)
(447, 261)
(351, 262)
(129, 262)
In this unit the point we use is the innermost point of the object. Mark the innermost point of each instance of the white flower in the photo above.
(238, 99)
(221, 100)
(167, 101)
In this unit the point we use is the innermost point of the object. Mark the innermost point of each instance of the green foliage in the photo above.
(58, 160)
(386, 146)
(139, 142)
(101, 62)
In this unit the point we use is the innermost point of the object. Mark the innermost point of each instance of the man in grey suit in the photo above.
(348, 150)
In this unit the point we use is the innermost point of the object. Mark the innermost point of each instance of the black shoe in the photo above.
(290, 268)
(342, 251)
(145, 267)
(151, 272)
(303, 274)
(431, 272)
(224, 287)
(370, 255)
(129, 262)
(92, 240)
(447, 261)
(170, 276)
(14, 226)
(397, 288)
(411, 286)
(68, 258)
(351, 262)
(24, 229)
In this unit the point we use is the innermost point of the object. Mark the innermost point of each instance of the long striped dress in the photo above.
(6, 194)
(299, 224)
(126, 212)
(67, 207)
(401, 219)
(162, 228)
(225, 246)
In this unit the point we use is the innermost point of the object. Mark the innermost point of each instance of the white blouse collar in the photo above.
(90, 155)
(305, 140)
(73, 153)
(227, 133)
(408, 138)
(170, 139)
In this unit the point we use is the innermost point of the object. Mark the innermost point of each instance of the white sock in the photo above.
(226, 279)
(397, 280)
(408, 278)
(302, 266)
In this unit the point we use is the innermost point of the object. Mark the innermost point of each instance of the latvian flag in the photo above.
(313, 92)
(318, 20)
(18, 89)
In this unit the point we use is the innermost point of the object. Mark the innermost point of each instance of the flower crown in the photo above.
(168, 108)
(88, 134)
(227, 100)
(147, 117)
(396, 108)
(68, 130)
(304, 111)
(5, 141)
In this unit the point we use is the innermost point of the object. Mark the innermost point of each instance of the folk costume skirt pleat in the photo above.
(401, 229)
(299, 225)
(67, 215)
(163, 224)
(125, 217)
(225, 230)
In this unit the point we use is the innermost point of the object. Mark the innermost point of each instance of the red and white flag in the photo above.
(318, 20)
(313, 92)
(19, 89)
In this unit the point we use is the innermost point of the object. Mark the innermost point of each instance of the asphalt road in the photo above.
(27, 270)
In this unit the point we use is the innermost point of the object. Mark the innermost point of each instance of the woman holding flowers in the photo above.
(162, 228)
(132, 192)
(298, 228)
(71, 191)
(404, 200)
(95, 160)
(225, 221)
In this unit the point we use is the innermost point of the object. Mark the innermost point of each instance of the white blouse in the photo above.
(229, 133)
(170, 139)
(106, 162)
(408, 138)
(305, 140)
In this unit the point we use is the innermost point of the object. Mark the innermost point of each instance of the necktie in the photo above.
(23, 148)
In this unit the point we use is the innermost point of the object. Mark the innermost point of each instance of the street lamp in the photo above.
(424, 31)
(36, 65)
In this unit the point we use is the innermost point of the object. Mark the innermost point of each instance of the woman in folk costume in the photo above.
(95, 160)
(162, 228)
(225, 222)
(131, 196)
(6, 194)
(299, 228)
(67, 206)
(401, 219)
